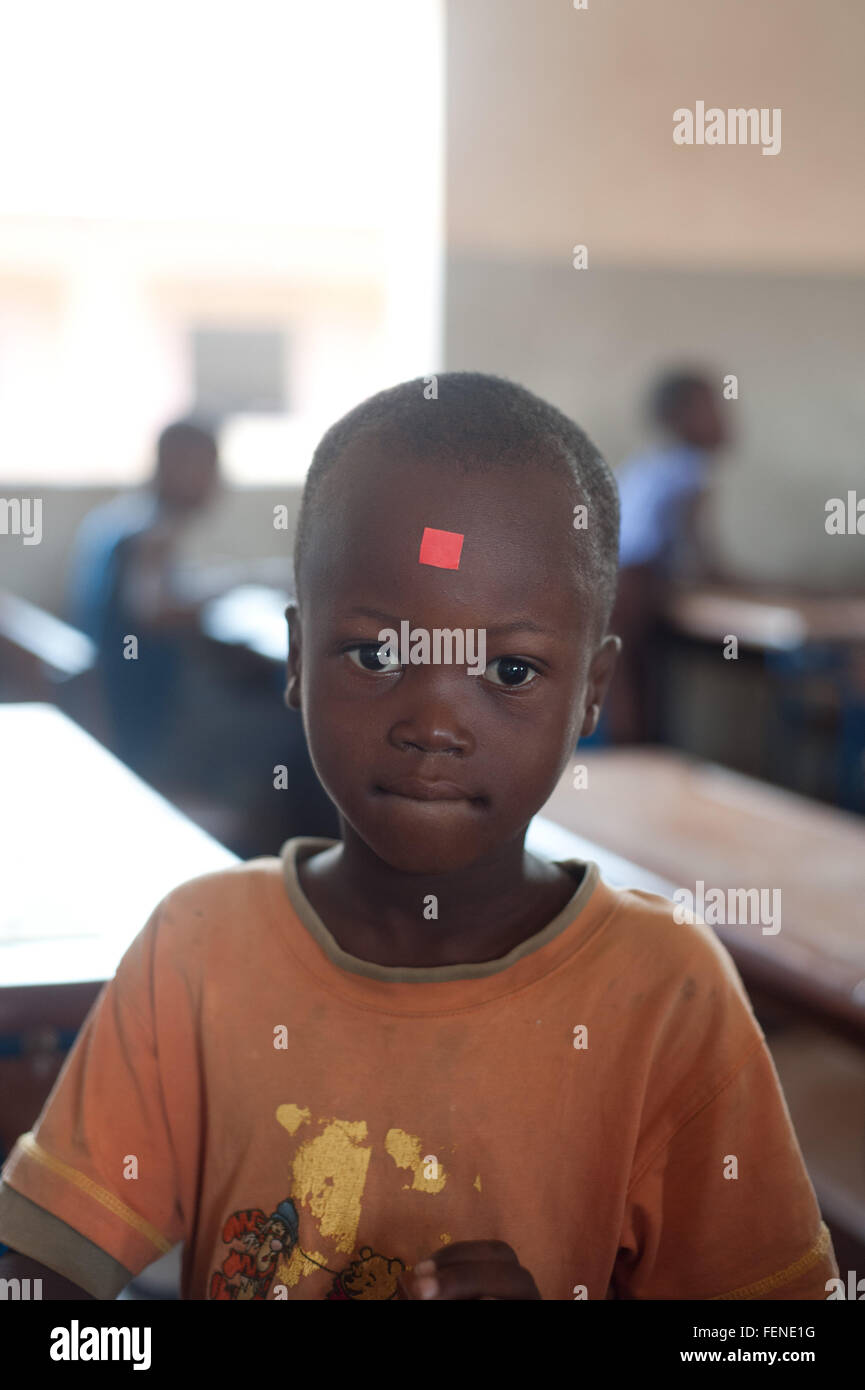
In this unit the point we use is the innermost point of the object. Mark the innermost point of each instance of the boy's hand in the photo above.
(470, 1269)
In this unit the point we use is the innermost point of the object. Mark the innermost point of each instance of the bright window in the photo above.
(271, 167)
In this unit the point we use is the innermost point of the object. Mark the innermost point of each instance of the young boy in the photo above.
(420, 1062)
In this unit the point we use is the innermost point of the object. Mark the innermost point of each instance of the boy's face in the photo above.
(700, 420)
(502, 746)
(188, 476)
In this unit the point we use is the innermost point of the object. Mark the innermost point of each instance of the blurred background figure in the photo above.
(126, 595)
(662, 488)
(663, 539)
(193, 701)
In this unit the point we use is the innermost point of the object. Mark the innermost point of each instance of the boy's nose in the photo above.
(434, 728)
(431, 736)
(431, 708)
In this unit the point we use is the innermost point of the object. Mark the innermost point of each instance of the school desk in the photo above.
(87, 851)
(813, 654)
(250, 616)
(767, 620)
(43, 658)
(89, 848)
(36, 638)
(691, 822)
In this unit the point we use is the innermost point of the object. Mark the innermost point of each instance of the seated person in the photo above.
(662, 492)
(124, 586)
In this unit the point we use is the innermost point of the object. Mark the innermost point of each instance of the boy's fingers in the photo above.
(485, 1250)
(477, 1279)
(471, 1256)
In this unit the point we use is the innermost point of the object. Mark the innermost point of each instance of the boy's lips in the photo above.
(426, 789)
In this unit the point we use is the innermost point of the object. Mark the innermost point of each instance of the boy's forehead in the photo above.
(516, 523)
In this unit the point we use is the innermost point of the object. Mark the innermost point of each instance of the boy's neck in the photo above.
(377, 913)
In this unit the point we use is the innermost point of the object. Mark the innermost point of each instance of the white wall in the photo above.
(560, 131)
(589, 341)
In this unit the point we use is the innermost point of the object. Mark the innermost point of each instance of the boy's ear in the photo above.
(291, 694)
(600, 675)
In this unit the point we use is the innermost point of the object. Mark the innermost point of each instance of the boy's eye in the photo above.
(366, 655)
(511, 671)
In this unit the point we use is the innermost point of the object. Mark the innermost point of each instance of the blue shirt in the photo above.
(141, 694)
(95, 576)
(655, 489)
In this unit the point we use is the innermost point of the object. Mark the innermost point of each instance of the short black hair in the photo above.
(190, 430)
(672, 390)
(477, 421)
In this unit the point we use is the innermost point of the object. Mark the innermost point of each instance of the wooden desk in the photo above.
(61, 649)
(88, 850)
(768, 620)
(38, 650)
(45, 660)
(250, 616)
(686, 820)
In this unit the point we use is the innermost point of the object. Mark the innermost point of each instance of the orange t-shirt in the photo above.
(310, 1124)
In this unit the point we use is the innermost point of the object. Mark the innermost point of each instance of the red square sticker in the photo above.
(441, 548)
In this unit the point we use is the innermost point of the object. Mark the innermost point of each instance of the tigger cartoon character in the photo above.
(371, 1276)
(258, 1242)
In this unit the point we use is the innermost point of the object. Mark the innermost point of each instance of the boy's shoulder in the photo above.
(673, 965)
(248, 876)
(209, 907)
(218, 893)
(671, 995)
(661, 936)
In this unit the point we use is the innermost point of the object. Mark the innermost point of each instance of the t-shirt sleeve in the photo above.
(102, 1157)
(725, 1209)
